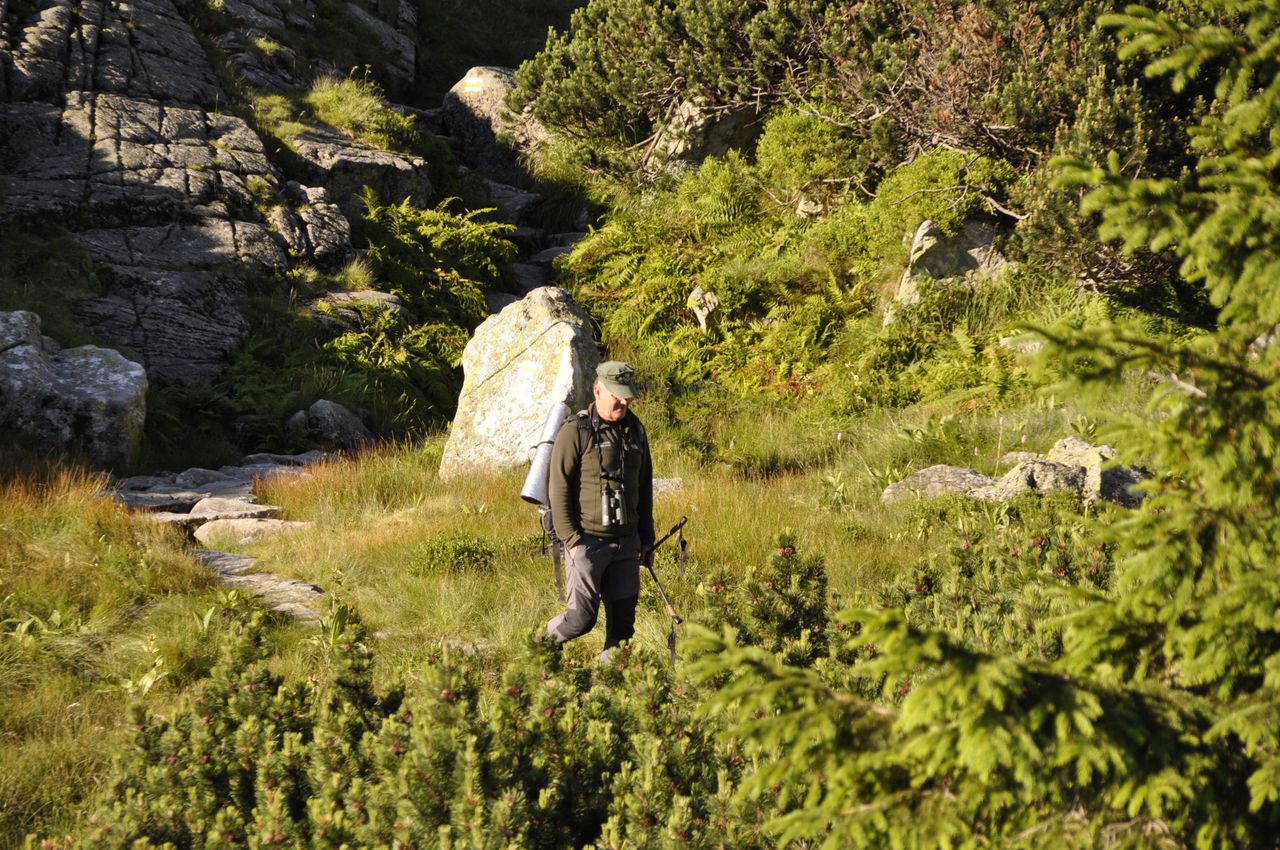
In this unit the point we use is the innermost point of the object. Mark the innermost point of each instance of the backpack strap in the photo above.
(557, 567)
(557, 548)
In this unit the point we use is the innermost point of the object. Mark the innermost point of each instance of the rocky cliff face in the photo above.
(179, 145)
(115, 126)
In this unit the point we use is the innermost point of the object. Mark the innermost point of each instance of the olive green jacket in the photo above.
(575, 486)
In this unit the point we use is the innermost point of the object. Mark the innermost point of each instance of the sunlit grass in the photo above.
(356, 106)
(277, 115)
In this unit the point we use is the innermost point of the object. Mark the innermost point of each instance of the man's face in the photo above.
(609, 406)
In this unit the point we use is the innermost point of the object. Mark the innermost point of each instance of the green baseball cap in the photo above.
(618, 378)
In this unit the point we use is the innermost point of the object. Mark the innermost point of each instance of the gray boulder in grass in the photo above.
(331, 425)
(521, 361)
(1102, 479)
(938, 480)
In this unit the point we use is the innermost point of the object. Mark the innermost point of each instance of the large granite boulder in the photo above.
(114, 160)
(536, 353)
(970, 255)
(88, 399)
(488, 134)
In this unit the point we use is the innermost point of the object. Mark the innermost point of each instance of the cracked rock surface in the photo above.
(112, 130)
(114, 126)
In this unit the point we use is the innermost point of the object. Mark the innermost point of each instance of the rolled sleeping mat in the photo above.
(535, 483)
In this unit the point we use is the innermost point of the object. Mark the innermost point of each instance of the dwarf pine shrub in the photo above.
(545, 754)
(783, 608)
(1003, 585)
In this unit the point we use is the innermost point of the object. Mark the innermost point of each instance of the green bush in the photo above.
(622, 66)
(784, 608)
(441, 261)
(799, 153)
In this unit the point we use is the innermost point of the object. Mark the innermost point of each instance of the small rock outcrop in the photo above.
(313, 226)
(331, 425)
(1102, 479)
(970, 254)
(1033, 476)
(273, 69)
(1071, 466)
(344, 308)
(704, 303)
(87, 399)
(535, 353)
(935, 481)
(515, 206)
(696, 131)
(344, 167)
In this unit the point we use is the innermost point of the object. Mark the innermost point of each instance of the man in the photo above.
(601, 494)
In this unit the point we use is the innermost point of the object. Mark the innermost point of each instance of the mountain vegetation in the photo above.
(1046, 672)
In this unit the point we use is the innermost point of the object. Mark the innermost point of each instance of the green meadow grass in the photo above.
(427, 561)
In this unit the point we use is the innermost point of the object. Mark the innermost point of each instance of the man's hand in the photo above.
(646, 557)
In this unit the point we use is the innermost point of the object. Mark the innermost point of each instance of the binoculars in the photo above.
(613, 509)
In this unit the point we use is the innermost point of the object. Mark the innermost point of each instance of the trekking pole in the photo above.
(666, 600)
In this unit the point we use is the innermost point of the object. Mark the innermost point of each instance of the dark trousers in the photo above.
(600, 569)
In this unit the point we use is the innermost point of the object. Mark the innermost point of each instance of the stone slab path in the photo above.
(216, 505)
